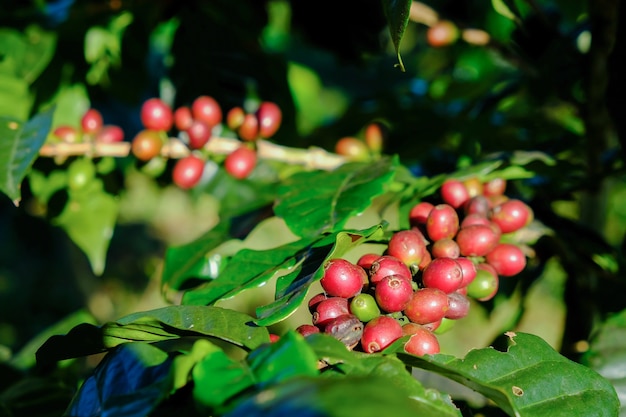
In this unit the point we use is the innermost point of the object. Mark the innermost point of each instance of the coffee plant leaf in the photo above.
(216, 376)
(292, 288)
(274, 363)
(19, 147)
(89, 220)
(316, 202)
(529, 379)
(167, 323)
(397, 12)
(607, 353)
(129, 382)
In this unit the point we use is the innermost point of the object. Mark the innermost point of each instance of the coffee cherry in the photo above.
(188, 171)
(156, 115)
(342, 278)
(199, 134)
(445, 248)
(270, 117)
(444, 274)
(315, 300)
(443, 222)
(485, 285)
(307, 329)
(183, 118)
(458, 306)
(494, 187)
(329, 309)
(110, 134)
(366, 260)
(375, 136)
(346, 328)
(146, 145)
(249, 129)
(235, 117)
(474, 186)
(352, 148)
(427, 305)
(67, 134)
(80, 173)
(388, 265)
(418, 216)
(469, 271)
(241, 162)
(511, 215)
(380, 333)
(393, 293)
(442, 33)
(364, 307)
(91, 122)
(476, 240)
(477, 205)
(454, 193)
(444, 325)
(475, 218)
(507, 259)
(207, 109)
(274, 338)
(409, 246)
(422, 342)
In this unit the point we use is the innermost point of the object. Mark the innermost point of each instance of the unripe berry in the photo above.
(442, 33)
(352, 148)
(146, 145)
(235, 117)
(375, 136)
(364, 307)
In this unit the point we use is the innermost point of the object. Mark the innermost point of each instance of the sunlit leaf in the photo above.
(19, 147)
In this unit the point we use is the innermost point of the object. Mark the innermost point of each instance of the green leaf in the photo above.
(192, 260)
(167, 323)
(217, 377)
(15, 97)
(89, 219)
(312, 203)
(529, 379)
(287, 358)
(71, 102)
(19, 147)
(291, 289)
(397, 12)
(25, 55)
(607, 353)
(503, 9)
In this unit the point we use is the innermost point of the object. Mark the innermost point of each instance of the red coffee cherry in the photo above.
(380, 333)
(469, 271)
(249, 129)
(443, 273)
(269, 118)
(207, 109)
(343, 278)
(199, 134)
(511, 215)
(458, 306)
(476, 240)
(454, 193)
(146, 145)
(418, 216)
(393, 293)
(241, 162)
(67, 134)
(422, 342)
(329, 309)
(442, 33)
(388, 265)
(427, 305)
(407, 245)
(494, 187)
(352, 148)
(91, 122)
(445, 248)
(366, 260)
(183, 118)
(477, 205)
(307, 329)
(188, 171)
(110, 134)
(443, 222)
(315, 300)
(156, 115)
(507, 259)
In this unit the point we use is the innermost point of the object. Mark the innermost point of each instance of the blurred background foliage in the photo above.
(546, 88)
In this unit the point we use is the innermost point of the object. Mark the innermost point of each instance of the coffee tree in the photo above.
(270, 208)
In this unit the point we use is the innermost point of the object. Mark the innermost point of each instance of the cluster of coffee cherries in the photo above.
(455, 251)
(354, 148)
(195, 124)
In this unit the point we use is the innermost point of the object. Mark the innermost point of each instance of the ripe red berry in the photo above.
(507, 259)
(469, 271)
(207, 109)
(388, 265)
(380, 333)
(241, 162)
(110, 134)
(393, 293)
(445, 248)
(146, 145)
(476, 240)
(67, 134)
(511, 215)
(454, 193)
(91, 122)
(352, 148)
(443, 222)
(183, 118)
(307, 329)
(442, 33)
(249, 129)
(477, 205)
(269, 118)
(156, 115)
(188, 171)
(475, 218)
(342, 278)
(427, 305)
(407, 245)
(494, 187)
(458, 306)
(315, 300)
(199, 134)
(443, 273)
(422, 342)
(366, 260)
(419, 213)
(328, 309)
